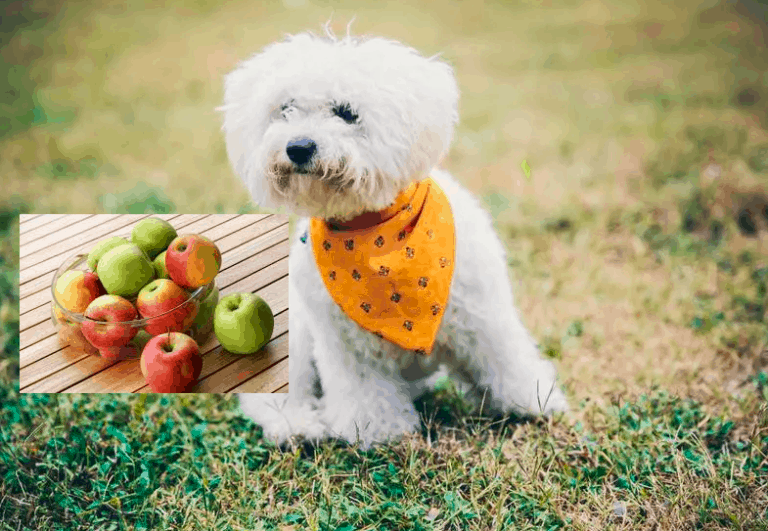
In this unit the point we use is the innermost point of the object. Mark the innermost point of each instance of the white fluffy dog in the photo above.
(332, 128)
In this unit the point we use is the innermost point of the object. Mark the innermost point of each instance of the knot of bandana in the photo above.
(390, 271)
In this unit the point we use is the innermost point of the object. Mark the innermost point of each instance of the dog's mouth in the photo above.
(287, 176)
(326, 189)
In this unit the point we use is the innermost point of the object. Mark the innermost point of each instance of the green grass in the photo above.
(144, 463)
(622, 149)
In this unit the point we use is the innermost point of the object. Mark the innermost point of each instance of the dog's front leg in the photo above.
(365, 400)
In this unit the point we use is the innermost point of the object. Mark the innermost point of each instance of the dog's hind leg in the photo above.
(482, 327)
(498, 355)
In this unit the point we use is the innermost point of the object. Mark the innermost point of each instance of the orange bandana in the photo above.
(391, 271)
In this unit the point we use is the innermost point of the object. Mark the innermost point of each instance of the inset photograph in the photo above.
(174, 303)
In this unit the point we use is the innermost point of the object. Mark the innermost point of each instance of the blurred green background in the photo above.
(106, 104)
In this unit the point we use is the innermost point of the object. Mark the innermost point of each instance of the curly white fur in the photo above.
(405, 107)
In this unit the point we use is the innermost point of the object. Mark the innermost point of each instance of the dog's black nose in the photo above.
(300, 150)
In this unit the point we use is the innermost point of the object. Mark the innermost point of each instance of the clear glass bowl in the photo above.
(69, 325)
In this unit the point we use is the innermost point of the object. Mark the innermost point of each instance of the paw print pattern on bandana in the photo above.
(392, 275)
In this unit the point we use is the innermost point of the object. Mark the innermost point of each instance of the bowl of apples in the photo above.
(114, 299)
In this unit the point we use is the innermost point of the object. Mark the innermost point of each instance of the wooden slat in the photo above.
(233, 374)
(39, 350)
(268, 263)
(67, 368)
(118, 378)
(27, 217)
(37, 332)
(64, 357)
(69, 376)
(274, 245)
(31, 236)
(32, 221)
(64, 232)
(235, 224)
(283, 389)
(38, 315)
(251, 233)
(266, 381)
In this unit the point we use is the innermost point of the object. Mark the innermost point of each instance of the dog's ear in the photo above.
(251, 93)
(441, 113)
(245, 121)
(416, 106)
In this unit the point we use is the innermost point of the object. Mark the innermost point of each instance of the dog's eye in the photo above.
(286, 108)
(344, 111)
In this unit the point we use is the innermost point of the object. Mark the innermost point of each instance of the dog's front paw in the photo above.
(553, 402)
(365, 429)
(283, 420)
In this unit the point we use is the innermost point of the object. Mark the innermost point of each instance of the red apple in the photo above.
(192, 260)
(111, 310)
(171, 363)
(75, 290)
(161, 302)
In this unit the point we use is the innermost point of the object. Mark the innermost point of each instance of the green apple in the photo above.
(125, 270)
(243, 323)
(159, 264)
(153, 235)
(101, 248)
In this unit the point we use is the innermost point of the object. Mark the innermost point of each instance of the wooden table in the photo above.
(254, 251)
